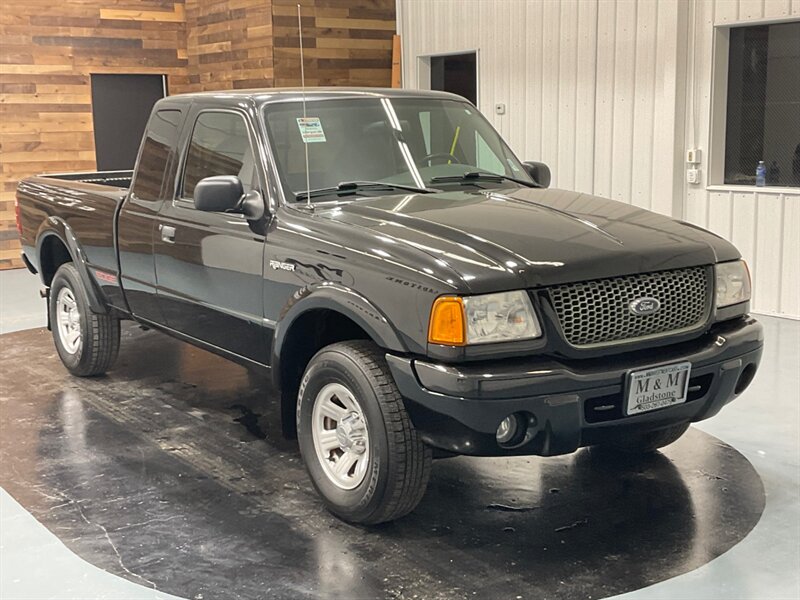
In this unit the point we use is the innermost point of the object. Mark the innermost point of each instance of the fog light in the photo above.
(507, 430)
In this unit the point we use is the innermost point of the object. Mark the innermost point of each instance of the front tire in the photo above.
(646, 443)
(359, 446)
(87, 343)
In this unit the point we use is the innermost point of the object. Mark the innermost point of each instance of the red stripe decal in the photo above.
(105, 277)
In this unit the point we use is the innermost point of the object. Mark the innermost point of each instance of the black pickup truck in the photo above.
(415, 289)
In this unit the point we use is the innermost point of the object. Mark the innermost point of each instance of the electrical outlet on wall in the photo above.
(693, 176)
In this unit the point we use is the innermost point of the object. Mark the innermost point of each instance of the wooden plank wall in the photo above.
(49, 49)
(345, 42)
(229, 44)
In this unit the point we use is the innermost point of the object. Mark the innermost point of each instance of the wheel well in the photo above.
(53, 254)
(311, 332)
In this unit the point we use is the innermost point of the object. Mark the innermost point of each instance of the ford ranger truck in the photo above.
(414, 289)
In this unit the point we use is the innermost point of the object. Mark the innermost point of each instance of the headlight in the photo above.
(733, 283)
(500, 317)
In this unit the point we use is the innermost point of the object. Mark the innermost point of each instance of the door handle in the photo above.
(167, 233)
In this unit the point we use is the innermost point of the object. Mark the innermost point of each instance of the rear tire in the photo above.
(645, 443)
(360, 424)
(87, 343)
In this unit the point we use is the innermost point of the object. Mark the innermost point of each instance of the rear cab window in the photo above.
(155, 174)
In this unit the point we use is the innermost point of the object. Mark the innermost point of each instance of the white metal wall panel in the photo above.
(610, 93)
(763, 224)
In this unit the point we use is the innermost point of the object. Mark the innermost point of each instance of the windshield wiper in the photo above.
(481, 176)
(346, 188)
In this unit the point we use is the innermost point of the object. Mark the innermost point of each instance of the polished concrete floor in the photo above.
(170, 473)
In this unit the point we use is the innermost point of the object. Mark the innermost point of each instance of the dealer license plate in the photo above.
(658, 387)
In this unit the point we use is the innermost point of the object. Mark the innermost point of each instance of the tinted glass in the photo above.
(219, 146)
(407, 141)
(763, 117)
(162, 135)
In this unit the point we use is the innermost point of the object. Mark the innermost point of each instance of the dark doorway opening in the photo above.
(121, 105)
(456, 73)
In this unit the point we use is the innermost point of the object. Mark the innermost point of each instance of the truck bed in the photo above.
(117, 179)
(83, 204)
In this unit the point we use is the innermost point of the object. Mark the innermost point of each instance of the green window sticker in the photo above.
(311, 129)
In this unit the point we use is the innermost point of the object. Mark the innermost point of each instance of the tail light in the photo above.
(17, 217)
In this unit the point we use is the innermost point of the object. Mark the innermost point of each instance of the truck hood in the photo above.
(503, 239)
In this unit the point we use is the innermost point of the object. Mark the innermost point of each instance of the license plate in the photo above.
(659, 387)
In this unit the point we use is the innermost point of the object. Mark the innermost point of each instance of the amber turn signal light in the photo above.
(448, 324)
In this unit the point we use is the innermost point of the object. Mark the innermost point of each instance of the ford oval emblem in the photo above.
(644, 306)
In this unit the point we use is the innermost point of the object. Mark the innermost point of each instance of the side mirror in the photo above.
(539, 172)
(220, 193)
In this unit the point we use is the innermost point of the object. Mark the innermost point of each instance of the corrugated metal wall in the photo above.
(765, 226)
(601, 91)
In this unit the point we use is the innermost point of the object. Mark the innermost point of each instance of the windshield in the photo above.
(418, 142)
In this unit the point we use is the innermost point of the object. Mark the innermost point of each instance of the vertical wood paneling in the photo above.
(603, 92)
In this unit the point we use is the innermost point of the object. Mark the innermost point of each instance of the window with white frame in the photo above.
(763, 105)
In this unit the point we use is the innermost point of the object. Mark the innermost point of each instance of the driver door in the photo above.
(209, 266)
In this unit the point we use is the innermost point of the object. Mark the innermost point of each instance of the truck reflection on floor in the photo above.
(158, 455)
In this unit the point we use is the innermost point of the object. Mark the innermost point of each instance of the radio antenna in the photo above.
(303, 86)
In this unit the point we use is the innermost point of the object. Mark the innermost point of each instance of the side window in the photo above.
(219, 146)
(152, 173)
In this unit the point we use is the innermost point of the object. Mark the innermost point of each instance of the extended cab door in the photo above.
(154, 179)
(209, 266)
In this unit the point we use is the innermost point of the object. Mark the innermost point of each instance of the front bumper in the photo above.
(573, 403)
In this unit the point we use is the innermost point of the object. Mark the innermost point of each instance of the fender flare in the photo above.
(55, 226)
(341, 299)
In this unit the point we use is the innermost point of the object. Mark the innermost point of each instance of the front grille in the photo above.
(597, 312)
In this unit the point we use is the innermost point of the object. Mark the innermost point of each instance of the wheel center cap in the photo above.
(350, 433)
